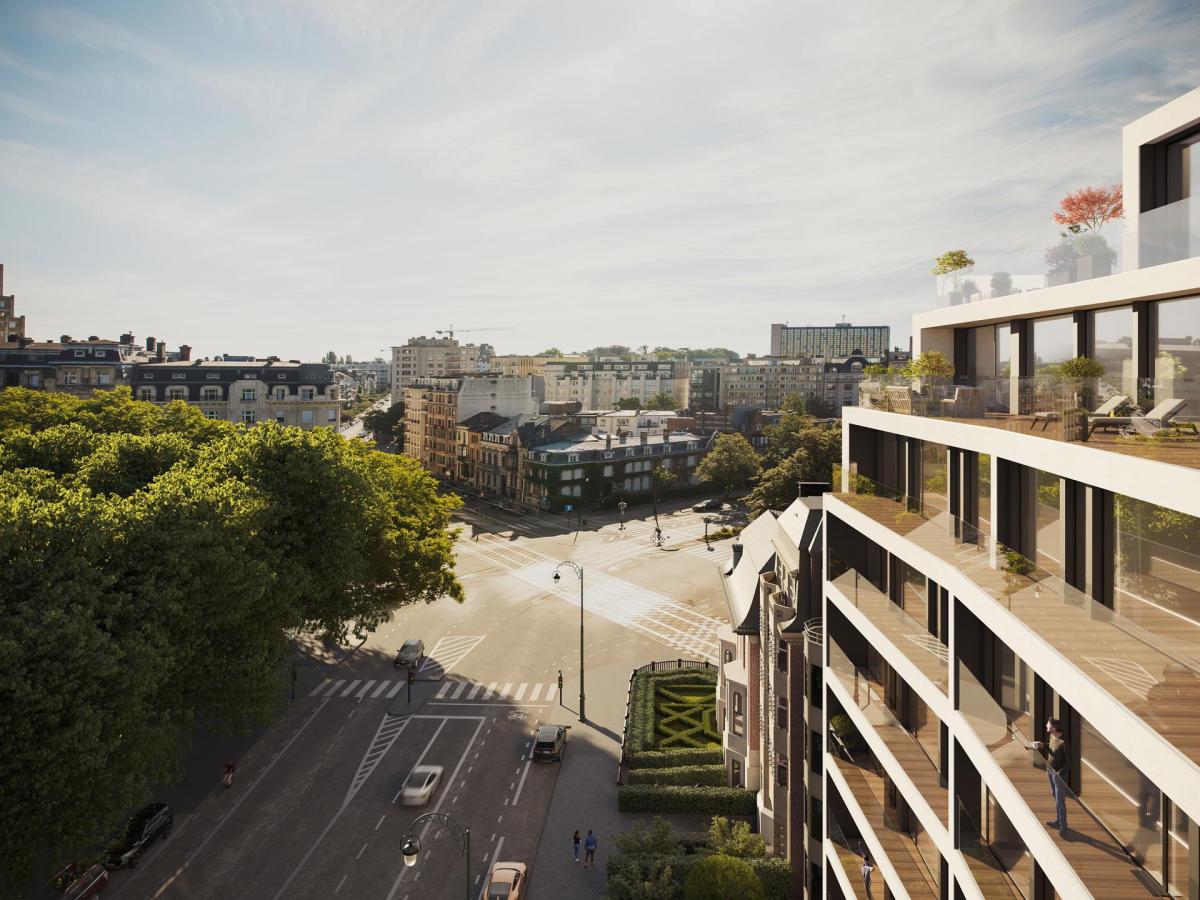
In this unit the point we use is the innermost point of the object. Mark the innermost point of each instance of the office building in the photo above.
(436, 357)
(842, 339)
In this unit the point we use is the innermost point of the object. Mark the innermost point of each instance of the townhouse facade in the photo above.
(603, 384)
(1015, 546)
(302, 395)
(73, 366)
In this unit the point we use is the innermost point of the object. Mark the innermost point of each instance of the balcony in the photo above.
(1151, 665)
(1154, 419)
(1167, 234)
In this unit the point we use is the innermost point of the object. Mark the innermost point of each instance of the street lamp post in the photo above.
(462, 837)
(578, 569)
(621, 509)
(707, 522)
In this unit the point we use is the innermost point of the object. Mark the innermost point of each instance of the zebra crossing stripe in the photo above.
(348, 691)
(337, 684)
(458, 691)
(382, 687)
(520, 692)
(395, 690)
(442, 691)
(475, 689)
(490, 692)
(536, 692)
(320, 687)
(366, 687)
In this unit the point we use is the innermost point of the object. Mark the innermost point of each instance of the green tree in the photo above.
(652, 881)
(817, 451)
(661, 401)
(735, 839)
(730, 463)
(929, 364)
(720, 877)
(952, 262)
(551, 351)
(629, 403)
(330, 358)
(387, 425)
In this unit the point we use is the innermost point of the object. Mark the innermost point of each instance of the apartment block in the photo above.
(530, 365)
(12, 326)
(602, 384)
(73, 366)
(765, 383)
(1016, 545)
(842, 339)
(426, 357)
(292, 393)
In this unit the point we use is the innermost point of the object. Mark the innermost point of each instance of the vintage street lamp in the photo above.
(578, 569)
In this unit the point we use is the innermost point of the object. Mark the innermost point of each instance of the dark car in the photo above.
(712, 505)
(152, 821)
(79, 882)
(549, 742)
(411, 653)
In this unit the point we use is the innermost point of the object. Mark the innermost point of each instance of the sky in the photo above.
(289, 177)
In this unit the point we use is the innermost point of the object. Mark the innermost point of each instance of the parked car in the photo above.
(713, 505)
(150, 822)
(506, 881)
(422, 781)
(549, 742)
(412, 653)
(79, 882)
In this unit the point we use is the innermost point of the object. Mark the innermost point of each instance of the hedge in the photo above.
(712, 775)
(670, 798)
(676, 756)
(775, 874)
(681, 719)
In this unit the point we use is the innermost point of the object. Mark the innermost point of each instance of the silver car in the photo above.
(421, 783)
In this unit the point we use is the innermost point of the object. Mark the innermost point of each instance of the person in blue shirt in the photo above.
(589, 850)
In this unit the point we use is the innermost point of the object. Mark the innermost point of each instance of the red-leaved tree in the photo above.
(1091, 207)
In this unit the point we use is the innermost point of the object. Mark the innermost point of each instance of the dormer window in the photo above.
(213, 376)
(179, 376)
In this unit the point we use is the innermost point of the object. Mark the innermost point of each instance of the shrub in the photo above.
(842, 726)
(640, 877)
(653, 839)
(775, 875)
(735, 839)
(675, 756)
(670, 798)
(720, 877)
(712, 775)
(675, 709)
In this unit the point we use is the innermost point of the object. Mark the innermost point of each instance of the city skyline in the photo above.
(344, 176)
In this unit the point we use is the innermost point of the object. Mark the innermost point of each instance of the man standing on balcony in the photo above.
(1057, 762)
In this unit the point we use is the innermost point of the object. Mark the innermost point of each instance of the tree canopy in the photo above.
(719, 877)
(1091, 207)
(156, 565)
(661, 401)
(387, 425)
(730, 463)
(629, 403)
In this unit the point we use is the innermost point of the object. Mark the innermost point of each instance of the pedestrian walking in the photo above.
(1058, 764)
(589, 851)
(576, 841)
(867, 869)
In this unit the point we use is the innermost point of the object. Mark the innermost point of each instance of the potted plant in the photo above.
(1094, 258)
(1084, 212)
(927, 370)
(969, 289)
(952, 265)
(1079, 376)
(1061, 260)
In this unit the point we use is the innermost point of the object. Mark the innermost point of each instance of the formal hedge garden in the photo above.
(673, 748)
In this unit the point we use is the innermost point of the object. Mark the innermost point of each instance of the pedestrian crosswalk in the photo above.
(357, 689)
(497, 692)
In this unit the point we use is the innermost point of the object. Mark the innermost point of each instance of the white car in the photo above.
(421, 783)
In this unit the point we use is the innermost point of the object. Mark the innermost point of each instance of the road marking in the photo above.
(337, 684)
(360, 852)
(241, 799)
(490, 692)
(447, 653)
(458, 691)
(438, 806)
(395, 689)
(366, 687)
(348, 691)
(495, 856)
(536, 692)
(521, 786)
(421, 758)
(382, 687)
(389, 729)
(320, 687)
(444, 689)
(520, 691)
(475, 692)
(340, 883)
(380, 822)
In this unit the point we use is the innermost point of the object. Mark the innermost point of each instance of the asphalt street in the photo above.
(315, 811)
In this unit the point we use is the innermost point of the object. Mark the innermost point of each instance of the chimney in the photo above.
(608, 442)
(161, 350)
(127, 339)
(667, 435)
(93, 337)
(185, 352)
(621, 437)
(150, 342)
(64, 339)
(737, 554)
(644, 437)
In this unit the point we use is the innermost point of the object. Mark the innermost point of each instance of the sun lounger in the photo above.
(1104, 412)
(1154, 421)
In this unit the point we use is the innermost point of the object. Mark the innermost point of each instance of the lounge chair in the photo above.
(1104, 412)
(1154, 421)
(967, 403)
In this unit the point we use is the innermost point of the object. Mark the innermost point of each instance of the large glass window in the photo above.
(1016, 688)
(935, 479)
(1122, 797)
(1112, 347)
(1048, 539)
(992, 365)
(1157, 577)
(1053, 342)
(1177, 354)
(1177, 853)
(985, 494)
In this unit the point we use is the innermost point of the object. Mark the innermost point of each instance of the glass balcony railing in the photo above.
(992, 864)
(1167, 234)
(851, 852)
(1106, 866)
(868, 696)
(1048, 260)
(1154, 673)
(1156, 419)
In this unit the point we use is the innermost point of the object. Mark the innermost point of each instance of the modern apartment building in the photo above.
(293, 393)
(765, 383)
(600, 385)
(1018, 546)
(842, 339)
(434, 407)
(426, 357)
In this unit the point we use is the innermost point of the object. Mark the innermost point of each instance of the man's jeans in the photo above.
(1058, 788)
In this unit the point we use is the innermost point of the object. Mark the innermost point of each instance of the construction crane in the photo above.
(450, 332)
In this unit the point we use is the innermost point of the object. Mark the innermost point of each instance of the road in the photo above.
(354, 427)
(314, 811)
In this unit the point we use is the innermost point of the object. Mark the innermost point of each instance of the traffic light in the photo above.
(412, 677)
